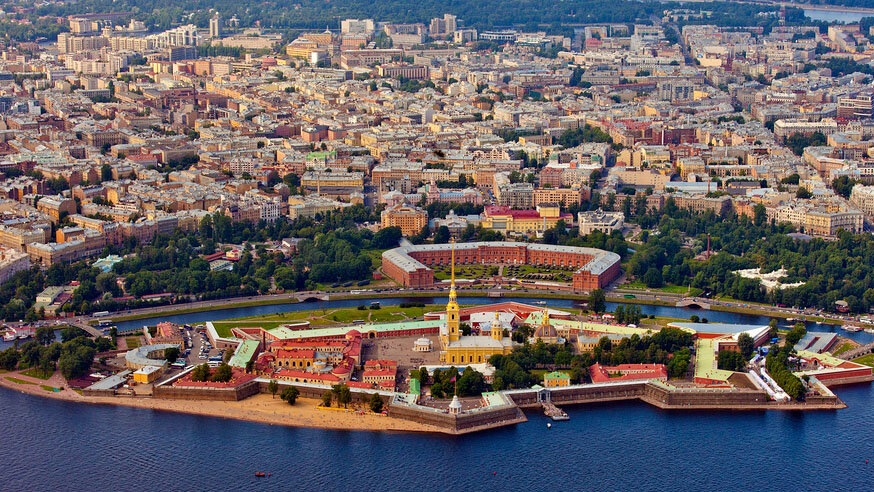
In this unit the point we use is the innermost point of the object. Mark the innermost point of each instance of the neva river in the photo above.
(53, 445)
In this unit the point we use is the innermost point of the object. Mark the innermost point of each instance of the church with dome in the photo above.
(458, 349)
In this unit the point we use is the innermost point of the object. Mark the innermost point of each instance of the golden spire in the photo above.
(452, 282)
(452, 320)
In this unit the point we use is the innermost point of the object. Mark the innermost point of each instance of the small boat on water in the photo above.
(260, 474)
(870, 331)
(852, 328)
(540, 303)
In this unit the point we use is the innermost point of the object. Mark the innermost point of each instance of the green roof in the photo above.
(243, 354)
(321, 154)
(705, 362)
(494, 399)
(556, 375)
(604, 328)
(287, 334)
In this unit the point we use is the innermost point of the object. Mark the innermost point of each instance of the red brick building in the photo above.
(409, 265)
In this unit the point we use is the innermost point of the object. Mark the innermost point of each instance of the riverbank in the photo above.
(230, 304)
(261, 408)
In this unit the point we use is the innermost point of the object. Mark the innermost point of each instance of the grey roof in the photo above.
(111, 382)
(716, 328)
(140, 355)
(815, 341)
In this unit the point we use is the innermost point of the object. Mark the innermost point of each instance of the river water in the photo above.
(832, 16)
(47, 444)
(674, 312)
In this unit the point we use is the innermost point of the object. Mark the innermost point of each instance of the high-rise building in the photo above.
(357, 26)
(215, 26)
(444, 26)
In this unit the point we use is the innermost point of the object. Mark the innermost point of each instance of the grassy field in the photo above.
(843, 348)
(37, 373)
(538, 374)
(132, 342)
(472, 271)
(18, 381)
(667, 289)
(375, 257)
(50, 389)
(867, 360)
(327, 317)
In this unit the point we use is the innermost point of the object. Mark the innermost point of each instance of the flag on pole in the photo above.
(452, 380)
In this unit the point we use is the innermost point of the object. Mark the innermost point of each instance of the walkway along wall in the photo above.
(660, 395)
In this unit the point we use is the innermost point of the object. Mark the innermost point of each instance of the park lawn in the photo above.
(843, 348)
(461, 271)
(132, 342)
(35, 372)
(18, 381)
(538, 374)
(327, 317)
(526, 269)
(867, 360)
(658, 322)
(50, 389)
(375, 257)
(667, 289)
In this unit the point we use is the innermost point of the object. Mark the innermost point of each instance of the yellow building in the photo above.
(556, 379)
(470, 349)
(147, 374)
(506, 221)
(409, 218)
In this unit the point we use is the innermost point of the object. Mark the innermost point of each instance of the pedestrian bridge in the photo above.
(312, 297)
(693, 304)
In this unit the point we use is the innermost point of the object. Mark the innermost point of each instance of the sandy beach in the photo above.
(261, 408)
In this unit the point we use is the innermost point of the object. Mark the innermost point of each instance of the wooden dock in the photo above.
(553, 412)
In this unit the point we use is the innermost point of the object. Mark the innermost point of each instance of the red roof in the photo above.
(288, 373)
(295, 354)
(379, 372)
(383, 363)
(630, 372)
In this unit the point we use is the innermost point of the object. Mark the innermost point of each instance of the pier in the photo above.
(553, 412)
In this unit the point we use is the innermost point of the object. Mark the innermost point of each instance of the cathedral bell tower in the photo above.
(452, 321)
(497, 328)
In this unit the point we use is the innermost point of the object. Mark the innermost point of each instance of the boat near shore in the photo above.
(852, 328)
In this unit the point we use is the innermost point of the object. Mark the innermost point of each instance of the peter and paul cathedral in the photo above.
(471, 349)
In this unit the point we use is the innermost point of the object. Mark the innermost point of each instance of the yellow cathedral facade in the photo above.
(471, 349)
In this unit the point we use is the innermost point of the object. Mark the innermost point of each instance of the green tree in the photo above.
(273, 387)
(106, 172)
(290, 394)
(375, 403)
(200, 373)
(326, 398)
(441, 236)
(344, 395)
(223, 373)
(44, 335)
(171, 354)
(597, 301)
(653, 278)
(745, 344)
